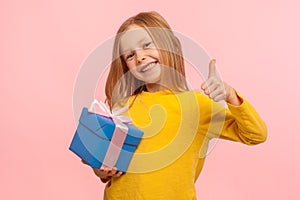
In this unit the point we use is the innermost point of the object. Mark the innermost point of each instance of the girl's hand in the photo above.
(105, 174)
(218, 90)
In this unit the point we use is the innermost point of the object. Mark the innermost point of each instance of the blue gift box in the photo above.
(93, 137)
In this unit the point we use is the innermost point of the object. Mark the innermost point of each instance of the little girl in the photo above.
(147, 72)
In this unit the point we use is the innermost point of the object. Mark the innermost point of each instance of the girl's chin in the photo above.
(150, 81)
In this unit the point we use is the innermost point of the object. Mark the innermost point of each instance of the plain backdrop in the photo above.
(43, 44)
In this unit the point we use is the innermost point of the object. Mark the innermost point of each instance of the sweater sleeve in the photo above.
(236, 123)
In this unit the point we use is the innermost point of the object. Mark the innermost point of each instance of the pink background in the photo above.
(42, 45)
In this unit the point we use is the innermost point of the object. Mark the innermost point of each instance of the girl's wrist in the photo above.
(232, 97)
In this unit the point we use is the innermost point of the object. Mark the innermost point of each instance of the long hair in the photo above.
(121, 84)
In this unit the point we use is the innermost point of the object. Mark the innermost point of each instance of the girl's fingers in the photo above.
(218, 94)
(219, 97)
(211, 81)
(214, 94)
(203, 85)
(213, 85)
(212, 68)
(113, 171)
(107, 172)
(118, 174)
(212, 88)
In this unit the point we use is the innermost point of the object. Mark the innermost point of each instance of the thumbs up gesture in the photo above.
(218, 90)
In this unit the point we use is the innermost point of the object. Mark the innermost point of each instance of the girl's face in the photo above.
(140, 54)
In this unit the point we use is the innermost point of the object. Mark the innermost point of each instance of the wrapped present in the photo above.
(105, 141)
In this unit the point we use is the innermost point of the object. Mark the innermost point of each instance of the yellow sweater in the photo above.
(177, 129)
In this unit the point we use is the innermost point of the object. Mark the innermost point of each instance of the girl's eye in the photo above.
(129, 56)
(148, 44)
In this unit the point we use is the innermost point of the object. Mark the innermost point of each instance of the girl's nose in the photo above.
(140, 56)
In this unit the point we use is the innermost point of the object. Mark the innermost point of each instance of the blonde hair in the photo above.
(118, 87)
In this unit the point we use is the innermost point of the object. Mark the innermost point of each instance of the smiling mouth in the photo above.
(148, 67)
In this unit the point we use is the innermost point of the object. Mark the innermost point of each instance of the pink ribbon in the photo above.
(119, 134)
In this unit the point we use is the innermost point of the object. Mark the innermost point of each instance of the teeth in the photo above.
(148, 67)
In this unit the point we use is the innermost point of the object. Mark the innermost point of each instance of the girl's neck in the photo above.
(154, 87)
